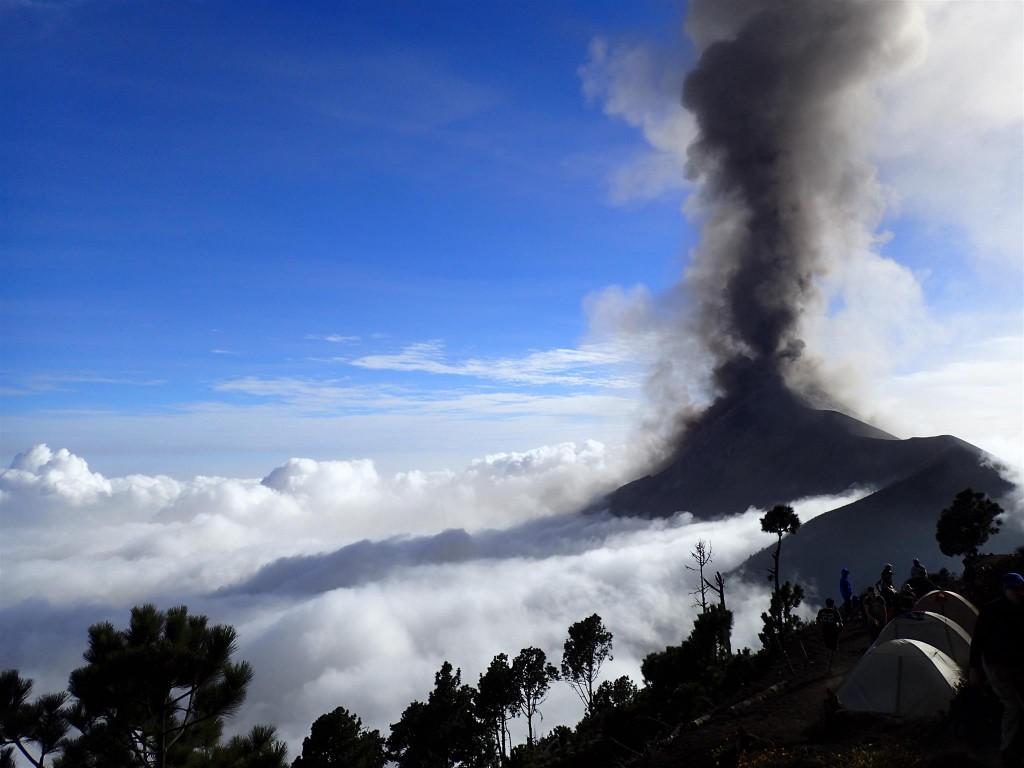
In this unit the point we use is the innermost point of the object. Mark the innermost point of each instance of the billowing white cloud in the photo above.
(640, 85)
(967, 178)
(350, 588)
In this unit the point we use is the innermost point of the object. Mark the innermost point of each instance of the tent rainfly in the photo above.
(933, 629)
(900, 677)
(952, 606)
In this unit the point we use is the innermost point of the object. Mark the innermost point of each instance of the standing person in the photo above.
(830, 624)
(918, 571)
(887, 589)
(919, 578)
(846, 592)
(907, 599)
(968, 578)
(997, 653)
(874, 613)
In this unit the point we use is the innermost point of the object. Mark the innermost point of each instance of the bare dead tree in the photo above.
(702, 554)
(719, 588)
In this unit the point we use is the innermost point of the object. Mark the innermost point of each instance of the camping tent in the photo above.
(952, 606)
(938, 631)
(900, 677)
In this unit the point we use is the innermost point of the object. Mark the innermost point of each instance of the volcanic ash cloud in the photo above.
(782, 98)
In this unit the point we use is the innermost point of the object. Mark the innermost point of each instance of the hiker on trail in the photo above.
(846, 592)
(887, 589)
(996, 654)
(830, 623)
(874, 613)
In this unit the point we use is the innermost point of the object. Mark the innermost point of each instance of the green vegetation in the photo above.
(338, 740)
(153, 695)
(780, 621)
(588, 646)
(157, 694)
(967, 523)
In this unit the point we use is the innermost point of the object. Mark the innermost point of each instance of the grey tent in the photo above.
(938, 631)
(900, 677)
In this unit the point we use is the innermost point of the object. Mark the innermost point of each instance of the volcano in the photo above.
(766, 445)
(785, 194)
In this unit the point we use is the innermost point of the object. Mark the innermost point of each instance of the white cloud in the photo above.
(334, 338)
(640, 85)
(329, 619)
(564, 367)
(952, 140)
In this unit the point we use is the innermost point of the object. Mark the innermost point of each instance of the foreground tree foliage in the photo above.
(588, 646)
(780, 520)
(338, 740)
(153, 695)
(613, 694)
(259, 748)
(496, 702)
(156, 691)
(684, 679)
(37, 729)
(442, 733)
(533, 676)
(779, 620)
(967, 523)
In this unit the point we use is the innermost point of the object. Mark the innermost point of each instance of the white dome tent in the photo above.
(900, 677)
(935, 630)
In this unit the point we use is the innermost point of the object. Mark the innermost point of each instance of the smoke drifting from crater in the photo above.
(781, 97)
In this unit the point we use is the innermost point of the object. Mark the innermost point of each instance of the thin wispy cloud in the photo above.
(66, 382)
(334, 338)
(586, 365)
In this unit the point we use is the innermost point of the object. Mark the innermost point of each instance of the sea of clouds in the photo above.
(349, 588)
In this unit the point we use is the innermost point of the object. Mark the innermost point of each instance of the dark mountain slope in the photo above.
(893, 525)
(767, 447)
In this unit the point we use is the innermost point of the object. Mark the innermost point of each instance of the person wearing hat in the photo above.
(997, 653)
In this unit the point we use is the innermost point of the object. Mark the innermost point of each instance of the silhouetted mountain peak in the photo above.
(764, 445)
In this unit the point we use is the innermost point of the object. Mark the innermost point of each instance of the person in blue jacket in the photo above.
(846, 592)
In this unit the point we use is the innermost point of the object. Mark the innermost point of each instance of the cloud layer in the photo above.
(349, 588)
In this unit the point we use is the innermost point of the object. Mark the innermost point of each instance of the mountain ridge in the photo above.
(766, 446)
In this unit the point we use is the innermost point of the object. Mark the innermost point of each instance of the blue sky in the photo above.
(234, 233)
(280, 277)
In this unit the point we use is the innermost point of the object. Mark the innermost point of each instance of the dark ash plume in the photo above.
(780, 101)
